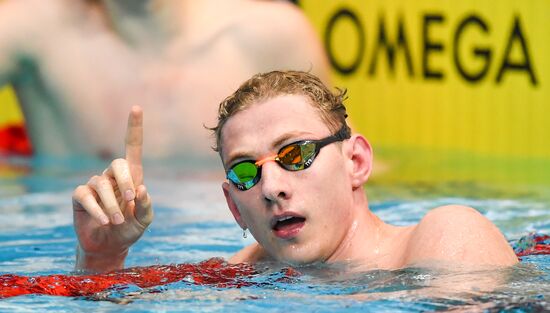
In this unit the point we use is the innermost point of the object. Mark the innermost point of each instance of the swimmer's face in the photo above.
(297, 216)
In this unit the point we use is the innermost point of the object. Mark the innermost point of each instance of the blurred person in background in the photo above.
(78, 66)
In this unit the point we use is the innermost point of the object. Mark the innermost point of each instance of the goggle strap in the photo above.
(321, 143)
(266, 159)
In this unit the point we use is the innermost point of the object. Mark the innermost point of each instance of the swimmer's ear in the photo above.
(232, 206)
(359, 153)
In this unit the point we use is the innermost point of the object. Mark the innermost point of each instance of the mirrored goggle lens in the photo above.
(297, 156)
(243, 172)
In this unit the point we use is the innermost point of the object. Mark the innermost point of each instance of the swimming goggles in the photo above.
(296, 156)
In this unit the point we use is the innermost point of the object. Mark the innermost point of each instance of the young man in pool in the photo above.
(295, 180)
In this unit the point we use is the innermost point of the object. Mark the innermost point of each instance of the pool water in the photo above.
(192, 224)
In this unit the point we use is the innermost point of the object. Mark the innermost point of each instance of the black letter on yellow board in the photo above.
(343, 68)
(508, 64)
(430, 46)
(383, 42)
(484, 53)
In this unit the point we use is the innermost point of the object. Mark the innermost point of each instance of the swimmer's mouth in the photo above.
(288, 221)
(287, 226)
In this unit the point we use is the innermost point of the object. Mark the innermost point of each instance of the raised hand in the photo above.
(113, 209)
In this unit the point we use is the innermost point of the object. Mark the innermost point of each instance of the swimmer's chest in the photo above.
(96, 81)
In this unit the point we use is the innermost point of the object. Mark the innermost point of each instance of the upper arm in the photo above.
(280, 37)
(25, 25)
(9, 38)
(459, 234)
(14, 22)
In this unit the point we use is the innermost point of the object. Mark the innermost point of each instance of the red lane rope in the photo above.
(533, 244)
(214, 272)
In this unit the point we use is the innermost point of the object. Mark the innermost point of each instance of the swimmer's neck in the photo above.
(361, 242)
(369, 242)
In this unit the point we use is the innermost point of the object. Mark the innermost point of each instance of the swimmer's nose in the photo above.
(274, 182)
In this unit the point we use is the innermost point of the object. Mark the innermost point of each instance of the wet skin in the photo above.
(325, 209)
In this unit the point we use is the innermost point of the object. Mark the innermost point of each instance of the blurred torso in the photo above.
(80, 79)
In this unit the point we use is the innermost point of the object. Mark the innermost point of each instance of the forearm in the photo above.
(99, 263)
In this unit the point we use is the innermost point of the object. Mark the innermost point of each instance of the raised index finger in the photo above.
(134, 138)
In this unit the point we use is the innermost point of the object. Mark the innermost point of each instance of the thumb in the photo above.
(144, 210)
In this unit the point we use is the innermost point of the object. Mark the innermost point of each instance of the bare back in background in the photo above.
(78, 66)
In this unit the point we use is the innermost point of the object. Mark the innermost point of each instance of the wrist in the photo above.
(99, 262)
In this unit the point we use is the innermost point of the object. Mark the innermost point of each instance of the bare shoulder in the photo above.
(284, 13)
(279, 36)
(458, 233)
(21, 24)
(37, 15)
(249, 254)
(450, 216)
(27, 25)
(281, 21)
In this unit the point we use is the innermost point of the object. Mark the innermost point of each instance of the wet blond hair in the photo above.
(265, 86)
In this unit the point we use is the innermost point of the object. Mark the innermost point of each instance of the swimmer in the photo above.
(295, 180)
(77, 67)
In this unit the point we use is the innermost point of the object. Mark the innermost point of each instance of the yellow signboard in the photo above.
(446, 78)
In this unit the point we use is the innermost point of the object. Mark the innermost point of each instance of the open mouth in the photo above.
(288, 226)
(288, 222)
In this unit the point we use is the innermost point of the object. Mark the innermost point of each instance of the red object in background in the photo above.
(14, 140)
(536, 245)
